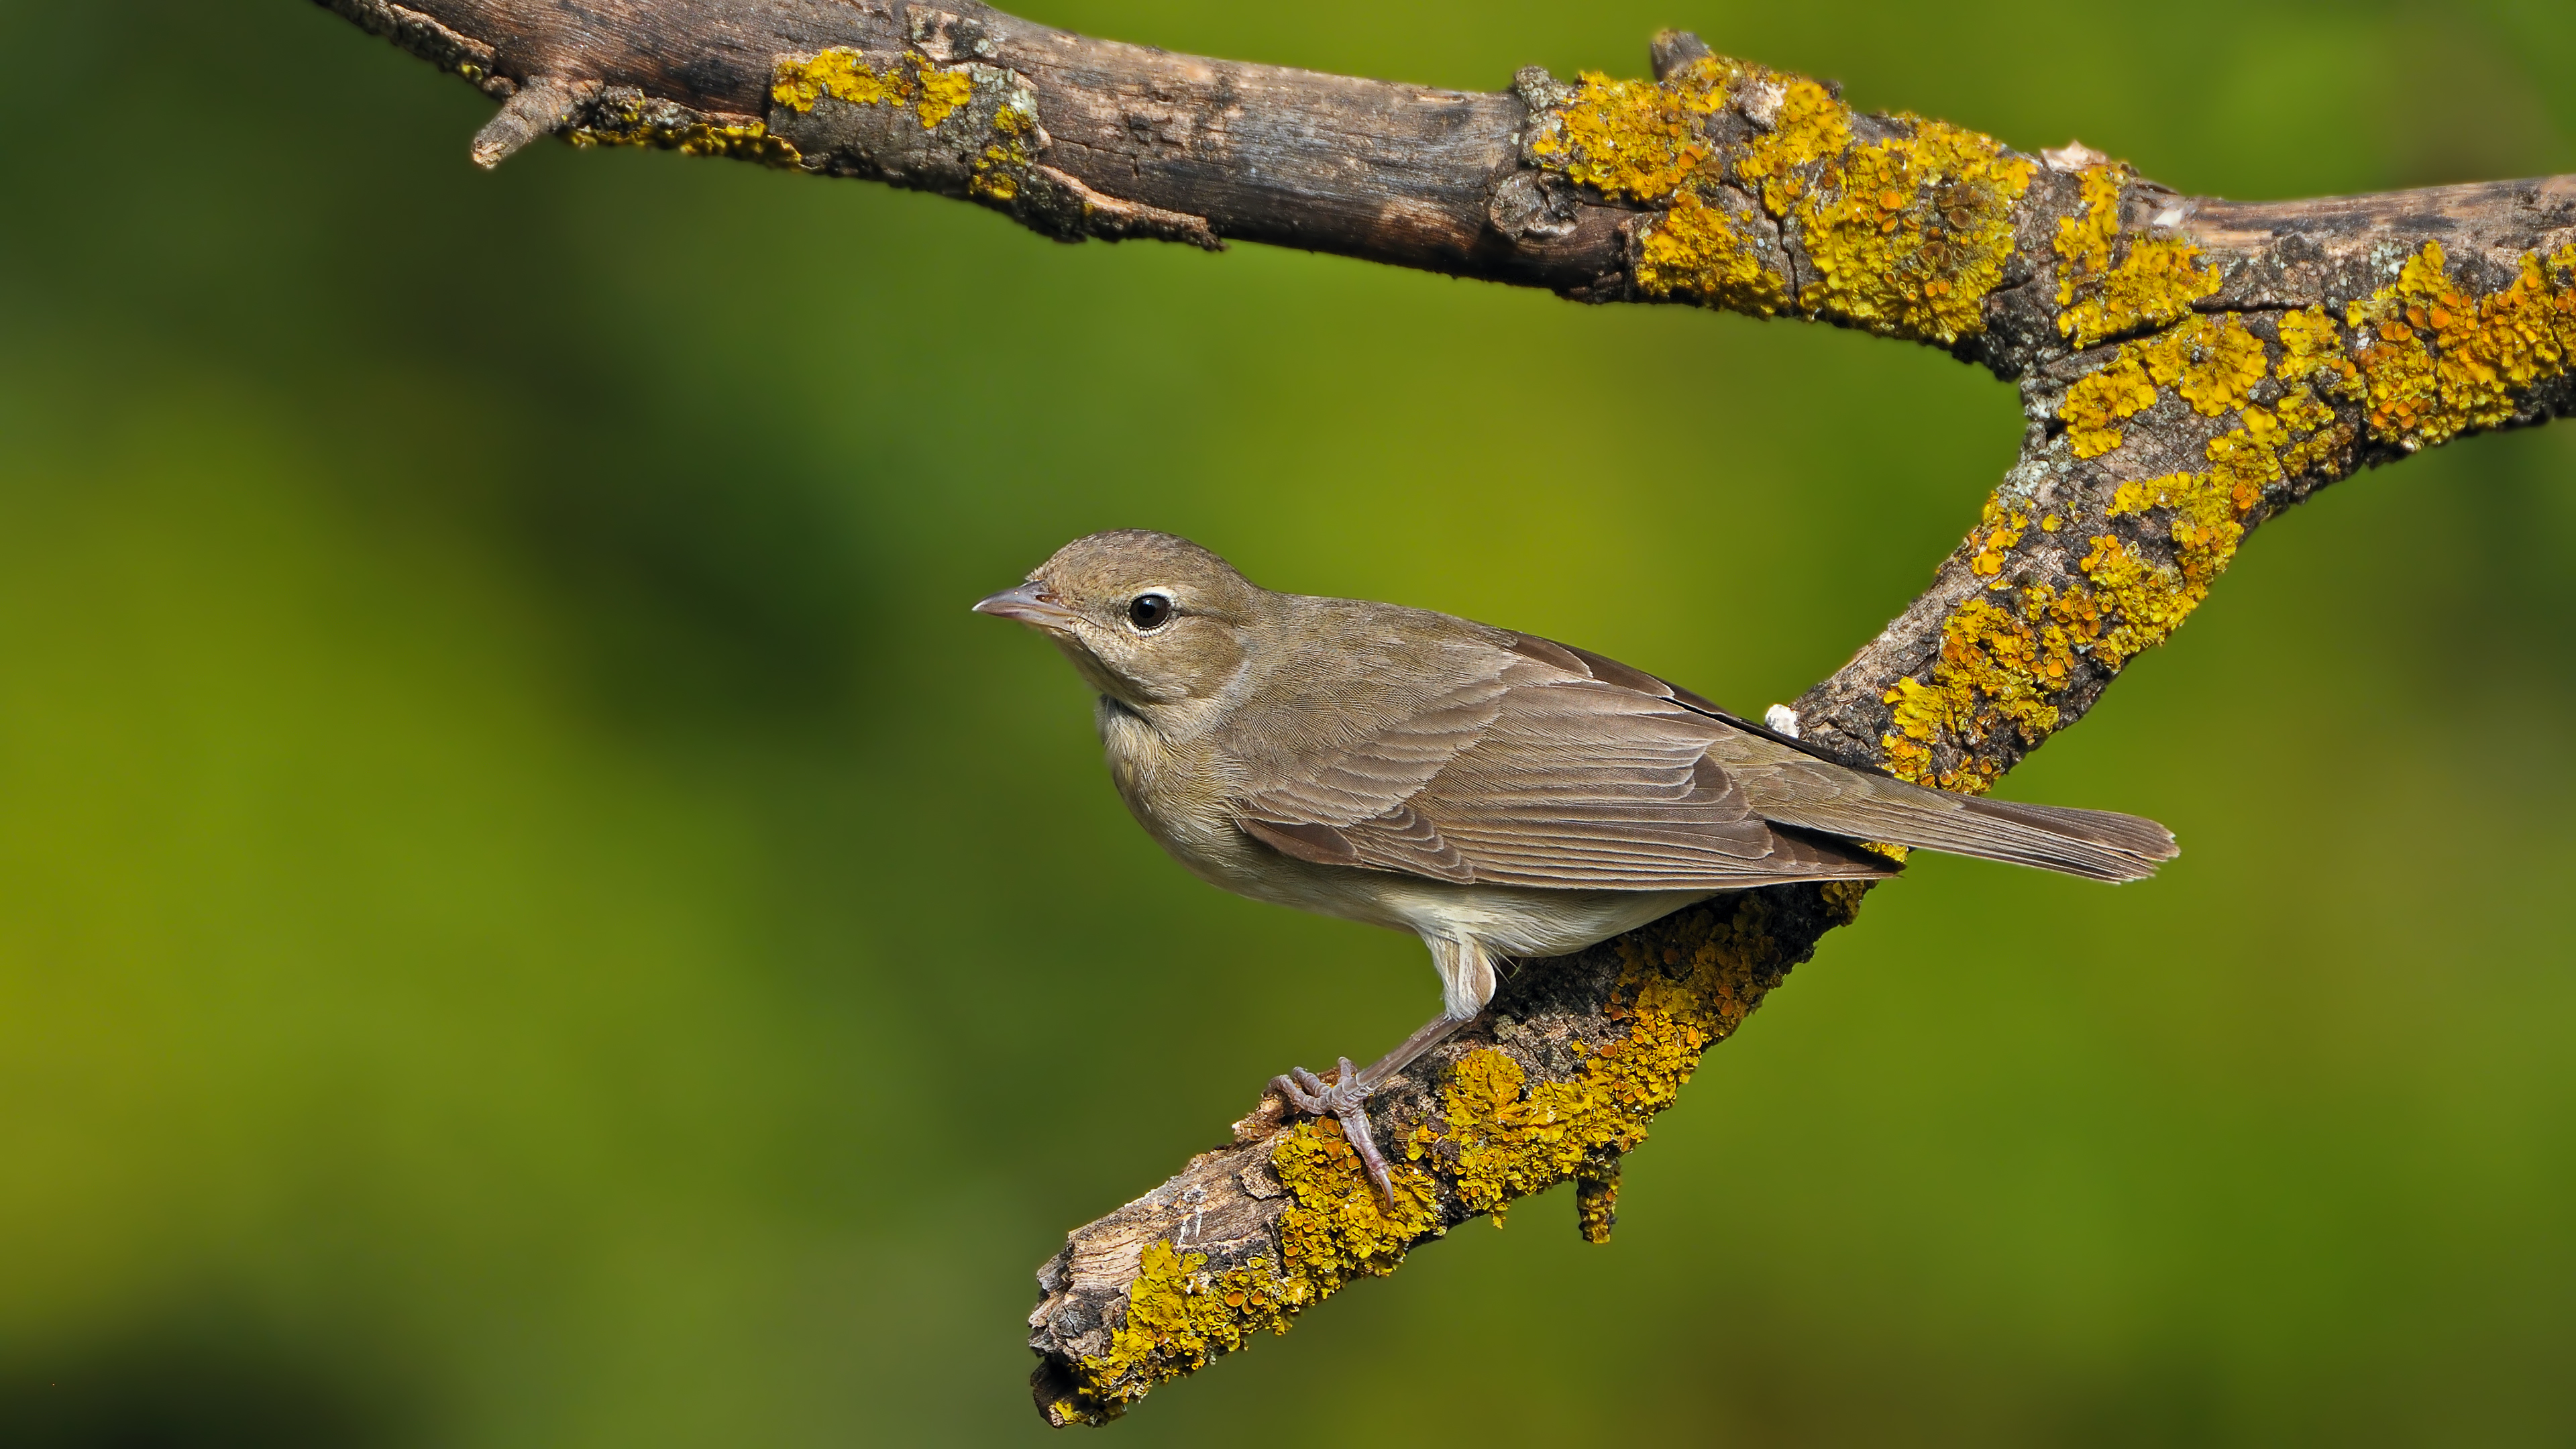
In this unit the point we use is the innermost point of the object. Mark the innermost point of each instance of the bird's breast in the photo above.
(1171, 789)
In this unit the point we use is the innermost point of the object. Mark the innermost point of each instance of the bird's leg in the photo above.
(1467, 976)
(1347, 1096)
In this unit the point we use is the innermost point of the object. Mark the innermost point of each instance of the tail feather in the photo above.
(1792, 788)
(2095, 844)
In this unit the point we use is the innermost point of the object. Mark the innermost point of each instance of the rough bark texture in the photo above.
(2189, 368)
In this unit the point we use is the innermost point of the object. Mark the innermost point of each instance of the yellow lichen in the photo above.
(2085, 240)
(1995, 536)
(2213, 362)
(1998, 666)
(2443, 362)
(1631, 138)
(1703, 970)
(1920, 715)
(2155, 283)
(1697, 252)
(1688, 982)
(1810, 126)
(1842, 898)
(1910, 234)
(2008, 655)
(2140, 602)
(1596, 1201)
(999, 169)
(942, 91)
(1180, 1315)
(633, 125)
(845, 75)
(1513, 1140)
(2101, 401)
(1177, 1319)
(2312, 353)
(1684, 982)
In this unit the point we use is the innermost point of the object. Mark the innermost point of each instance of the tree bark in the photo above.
(2188, 369)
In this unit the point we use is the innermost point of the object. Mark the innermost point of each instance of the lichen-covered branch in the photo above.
(2188, 368)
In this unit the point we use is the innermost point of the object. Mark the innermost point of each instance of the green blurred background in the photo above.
(530, 914)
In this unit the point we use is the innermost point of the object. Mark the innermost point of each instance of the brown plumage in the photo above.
(1497, 793)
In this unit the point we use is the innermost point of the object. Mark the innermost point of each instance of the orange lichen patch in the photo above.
(1703, 970)
(2154, 283)
(2271, 445)
(2157, 282)
(2444, 362)
(2309, 442)
(1698, 252)
(2101, 401)
(2144, 601)
(1910, 234)
(1842, 898)
(1633, 138)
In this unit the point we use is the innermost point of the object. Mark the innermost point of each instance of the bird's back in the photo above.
(1401, 739)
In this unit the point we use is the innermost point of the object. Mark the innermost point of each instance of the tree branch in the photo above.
(2189, 368)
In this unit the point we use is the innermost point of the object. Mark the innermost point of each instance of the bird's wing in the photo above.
(1794, 784)
(1534, 770)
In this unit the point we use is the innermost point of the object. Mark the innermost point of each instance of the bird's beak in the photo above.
(1030, 604)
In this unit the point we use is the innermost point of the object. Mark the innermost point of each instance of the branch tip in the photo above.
(540, 106)
(1674, 49)
(1110, 218)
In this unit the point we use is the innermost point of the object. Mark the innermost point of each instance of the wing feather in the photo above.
(1553, 779)
(1514, 760)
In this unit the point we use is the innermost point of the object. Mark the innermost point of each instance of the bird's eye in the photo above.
(1149, 611)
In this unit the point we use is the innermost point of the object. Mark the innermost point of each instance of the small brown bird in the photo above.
(1497, 794)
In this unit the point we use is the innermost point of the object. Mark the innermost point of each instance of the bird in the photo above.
(1498, 794)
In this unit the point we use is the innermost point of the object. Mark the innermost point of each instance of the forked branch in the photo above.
(2189, 368)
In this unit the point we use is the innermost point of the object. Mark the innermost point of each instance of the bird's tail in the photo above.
(2095, 844)
(1801, 791)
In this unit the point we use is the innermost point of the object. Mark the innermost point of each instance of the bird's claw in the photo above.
(1346, 1099)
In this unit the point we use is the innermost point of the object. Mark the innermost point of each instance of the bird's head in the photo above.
(1150, 620)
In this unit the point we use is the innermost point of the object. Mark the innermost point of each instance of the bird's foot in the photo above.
(1346, 1099)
